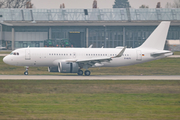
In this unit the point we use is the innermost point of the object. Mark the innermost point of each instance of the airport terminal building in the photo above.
(82, 27)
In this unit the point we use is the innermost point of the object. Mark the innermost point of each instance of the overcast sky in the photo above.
(50, 4)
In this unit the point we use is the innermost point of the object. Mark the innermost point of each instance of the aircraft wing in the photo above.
(92, 61)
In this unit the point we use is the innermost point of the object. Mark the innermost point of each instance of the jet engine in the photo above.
(64, 67)
(53, 69)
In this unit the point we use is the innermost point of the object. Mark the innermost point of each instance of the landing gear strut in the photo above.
(26, 72)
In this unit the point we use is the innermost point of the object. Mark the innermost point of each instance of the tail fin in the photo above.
(158, 38)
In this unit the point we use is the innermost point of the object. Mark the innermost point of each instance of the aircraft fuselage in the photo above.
(51, 56)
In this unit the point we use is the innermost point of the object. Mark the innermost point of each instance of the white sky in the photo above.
(55, 4)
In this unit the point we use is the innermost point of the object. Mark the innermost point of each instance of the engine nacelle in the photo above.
(64, 67)
(53, 69)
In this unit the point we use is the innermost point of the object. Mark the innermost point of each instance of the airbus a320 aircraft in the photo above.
(73, 60)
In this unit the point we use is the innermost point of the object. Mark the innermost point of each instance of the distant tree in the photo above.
(121, 4)
(176, 4)
(29, 4)
(168, 5)
(158, 5)
(144, 6)
(62, 5)
(1, 4)
(15, 4)
(94, 4)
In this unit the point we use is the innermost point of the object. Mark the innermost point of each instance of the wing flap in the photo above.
(98, 60)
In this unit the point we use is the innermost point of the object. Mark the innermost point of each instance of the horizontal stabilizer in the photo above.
(156, 54)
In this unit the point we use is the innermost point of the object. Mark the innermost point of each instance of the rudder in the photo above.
(158, 38)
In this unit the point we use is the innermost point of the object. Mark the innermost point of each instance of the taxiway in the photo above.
(56, 77)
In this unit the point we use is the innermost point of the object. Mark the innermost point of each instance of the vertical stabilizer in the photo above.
(158, 38)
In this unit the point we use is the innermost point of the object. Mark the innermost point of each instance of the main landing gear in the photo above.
(86, 73)
(26, 72)
(80, 72)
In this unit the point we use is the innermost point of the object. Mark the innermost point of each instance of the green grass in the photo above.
(166, 66)
(177, 53)
(5, 52)
(86, 100)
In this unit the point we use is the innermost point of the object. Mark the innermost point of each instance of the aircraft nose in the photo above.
(5, 60)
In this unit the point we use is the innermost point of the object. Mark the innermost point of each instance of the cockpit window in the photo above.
(14, 53)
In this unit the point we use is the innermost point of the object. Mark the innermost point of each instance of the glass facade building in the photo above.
(100, 27)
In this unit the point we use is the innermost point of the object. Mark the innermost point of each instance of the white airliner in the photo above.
(72, 60)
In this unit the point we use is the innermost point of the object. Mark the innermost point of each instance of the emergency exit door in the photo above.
(139, 55)
(27, 55)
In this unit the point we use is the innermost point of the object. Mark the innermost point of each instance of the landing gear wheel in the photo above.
(26, 73)
(80, 72)
(87, 73)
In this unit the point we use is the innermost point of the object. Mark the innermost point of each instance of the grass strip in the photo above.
(86, 100)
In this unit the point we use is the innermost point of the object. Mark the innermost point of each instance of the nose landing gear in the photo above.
(26, 72)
